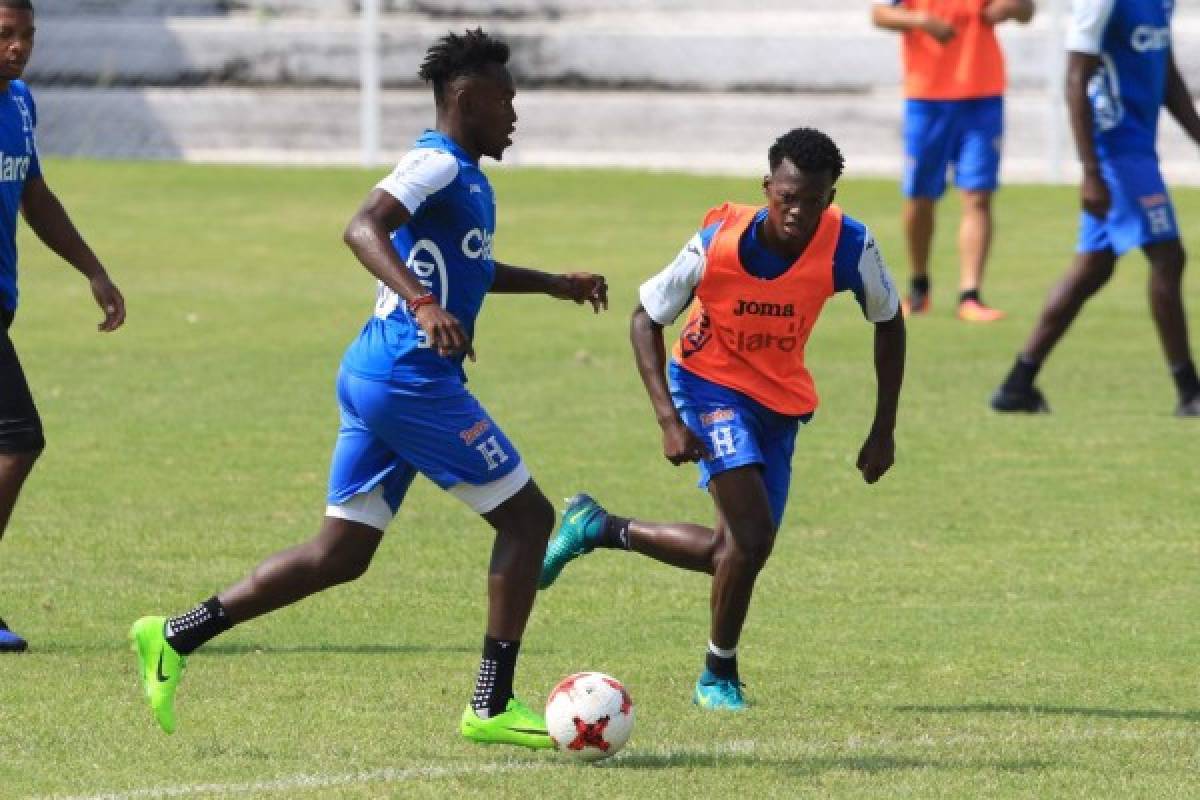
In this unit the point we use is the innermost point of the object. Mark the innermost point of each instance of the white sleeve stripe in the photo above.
(668, 293)
(881, 300)
(1089, 18)
(420, 174)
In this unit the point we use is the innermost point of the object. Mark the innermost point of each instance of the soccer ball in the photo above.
(589, 716)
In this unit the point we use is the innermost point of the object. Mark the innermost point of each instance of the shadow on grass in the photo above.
(1035, 709)
(343, 649)
(816, 764)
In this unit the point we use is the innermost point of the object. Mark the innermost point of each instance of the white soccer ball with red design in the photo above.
(589, 716)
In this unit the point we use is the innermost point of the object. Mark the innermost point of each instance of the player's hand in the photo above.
(109, 298)
(1094, 195)
(997, 11)
(877, 455)
(445, 332)
(938, 28)
(681, 444)
(584, 287)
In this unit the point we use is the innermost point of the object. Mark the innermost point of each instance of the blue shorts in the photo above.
(1141, 212)
(390, 432)
(738, 431)
(965, 134)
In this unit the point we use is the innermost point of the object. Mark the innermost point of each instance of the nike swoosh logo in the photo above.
(161, 678)
(529, 730)
(575, 517)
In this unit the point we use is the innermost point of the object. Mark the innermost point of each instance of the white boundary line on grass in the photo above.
(301, 781)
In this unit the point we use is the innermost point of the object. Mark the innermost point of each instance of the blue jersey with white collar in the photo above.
(1132, 38)
(447, 244)
(18, 162)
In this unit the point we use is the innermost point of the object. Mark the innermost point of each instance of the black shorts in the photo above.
(20, 425)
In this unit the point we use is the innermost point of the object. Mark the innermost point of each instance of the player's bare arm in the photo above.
(879, 450)
(368, 235)
(680, 443)
(1093, 192)
(894, 18)
(998, 11)
(1179, 102)
(578, 287)
(50, 221)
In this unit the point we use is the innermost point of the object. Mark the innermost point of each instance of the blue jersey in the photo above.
(447, 244)
(18, 162)
(1133, 40)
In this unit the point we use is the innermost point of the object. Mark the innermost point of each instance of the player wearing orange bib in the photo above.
(736, 390)
(953, 117)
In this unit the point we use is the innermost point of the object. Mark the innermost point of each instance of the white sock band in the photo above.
(719, 653)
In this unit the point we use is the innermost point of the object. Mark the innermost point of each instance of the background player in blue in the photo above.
(404, 406)
(23, 188)
(1120, 73)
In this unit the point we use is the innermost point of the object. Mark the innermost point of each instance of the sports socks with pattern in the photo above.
(615, 533)
(721, 663)
(188, 631)
(493, 686)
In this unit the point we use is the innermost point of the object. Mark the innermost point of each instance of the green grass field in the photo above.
(1011, 612)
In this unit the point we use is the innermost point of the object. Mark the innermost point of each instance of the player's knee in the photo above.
(20, 464)
(748, 553)
(335, 563)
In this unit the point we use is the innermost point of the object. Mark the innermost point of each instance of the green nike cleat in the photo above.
(582, 523)
(517, 725)
(161, 668)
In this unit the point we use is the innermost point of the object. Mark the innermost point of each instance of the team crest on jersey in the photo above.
(695, 335)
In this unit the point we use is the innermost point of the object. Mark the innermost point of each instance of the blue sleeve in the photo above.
(846, 257)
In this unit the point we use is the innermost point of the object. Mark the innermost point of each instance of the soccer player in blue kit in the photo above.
(404, 406)
(1120, 74)
(23, 188)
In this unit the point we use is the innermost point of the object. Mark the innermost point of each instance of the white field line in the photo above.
(302, 782)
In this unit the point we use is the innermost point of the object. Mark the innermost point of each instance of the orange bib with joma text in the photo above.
(747, 333)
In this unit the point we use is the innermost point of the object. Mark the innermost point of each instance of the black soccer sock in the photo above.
(188, 631)
(1186, 380)
(615, 534)
(1021, 376)
(493, 687)
(919, 284)
(722, 666)
(969, 294)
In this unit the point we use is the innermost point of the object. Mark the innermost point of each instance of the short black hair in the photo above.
(454, 56)
(809, 150)
(17, 5)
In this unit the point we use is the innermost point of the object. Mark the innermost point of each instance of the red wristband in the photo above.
(418, 301)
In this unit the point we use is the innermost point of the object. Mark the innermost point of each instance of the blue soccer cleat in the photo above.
(10, 642)
(582, 523)
(718, 694)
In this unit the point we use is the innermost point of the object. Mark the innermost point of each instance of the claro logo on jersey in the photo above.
(13, 168)
(477, 244)
(1147, 38)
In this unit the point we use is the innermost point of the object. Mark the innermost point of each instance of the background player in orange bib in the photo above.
(736, 390)
(953, 117)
